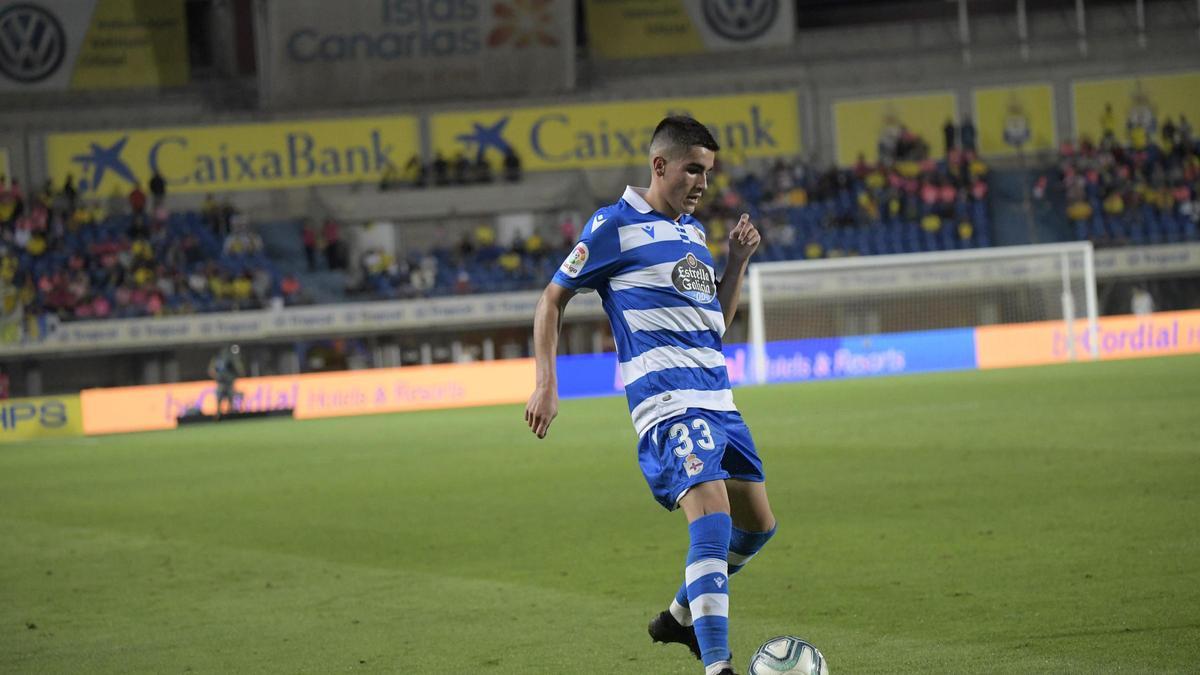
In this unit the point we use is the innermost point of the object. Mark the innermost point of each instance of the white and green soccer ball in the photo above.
(787, 655)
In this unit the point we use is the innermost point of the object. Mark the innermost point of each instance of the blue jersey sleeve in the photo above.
(595, 257)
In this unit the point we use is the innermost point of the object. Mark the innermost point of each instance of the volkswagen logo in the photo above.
(32, 43)
(740, 20)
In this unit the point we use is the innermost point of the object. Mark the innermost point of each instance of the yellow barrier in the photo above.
(1135, 98)
(235, 157)
(1020, 111)
(133, 43)
(607, 135)
(859, 123)
(23, 419)
(641, 29)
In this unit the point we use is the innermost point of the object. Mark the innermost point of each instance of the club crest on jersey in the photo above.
(693, 464)
(574, 263)
(693, 278)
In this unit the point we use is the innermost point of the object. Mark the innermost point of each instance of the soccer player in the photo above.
(649, 260)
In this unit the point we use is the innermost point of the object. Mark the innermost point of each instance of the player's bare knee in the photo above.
(705, 498)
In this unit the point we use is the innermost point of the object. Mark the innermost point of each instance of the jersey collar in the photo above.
(636, 197)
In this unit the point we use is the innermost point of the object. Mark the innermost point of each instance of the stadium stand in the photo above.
(82, 261)
(1139, 192)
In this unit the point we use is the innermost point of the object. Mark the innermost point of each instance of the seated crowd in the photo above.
(74, 259)
(1138, 192)
(906, 202)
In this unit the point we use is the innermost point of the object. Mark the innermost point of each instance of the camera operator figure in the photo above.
(225, 368)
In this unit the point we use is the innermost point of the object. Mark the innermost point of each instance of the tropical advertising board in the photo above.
(361, 51)
(234, 157)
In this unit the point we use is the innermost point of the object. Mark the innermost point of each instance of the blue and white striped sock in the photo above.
(707, 578)
(743, 546)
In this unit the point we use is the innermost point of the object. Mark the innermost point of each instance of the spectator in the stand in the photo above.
(1168, 134)
(424, 274)
(968, 134)
(158, 190)
(460, 168)
(441, 169)
(331, 234)
(950, 134)
(1108, 124)
(462, 282)
(512, 166)
(228, 211)
(309, 237)
(137, 200)
(211, 211)
(1141, 302)
(390, 178)
(567, 230)
(481, 170)
(1185, 131)
(69, 193)
(289, 286)
(414, 171)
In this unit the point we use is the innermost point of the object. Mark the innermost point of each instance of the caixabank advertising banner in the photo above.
(92, 44)
(606, 135)
(236, 156)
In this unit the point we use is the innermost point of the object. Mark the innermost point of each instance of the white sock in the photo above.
(682, 613)
(717, 667)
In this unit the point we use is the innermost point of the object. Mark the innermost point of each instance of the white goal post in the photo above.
(873, 295)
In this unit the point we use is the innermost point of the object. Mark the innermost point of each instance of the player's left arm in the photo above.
(743, 242)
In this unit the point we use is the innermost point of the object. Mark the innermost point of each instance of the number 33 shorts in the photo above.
(695, 447)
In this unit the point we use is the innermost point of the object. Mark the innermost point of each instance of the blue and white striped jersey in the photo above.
(656, 281)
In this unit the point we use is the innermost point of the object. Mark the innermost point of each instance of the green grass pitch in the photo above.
(1029, 520)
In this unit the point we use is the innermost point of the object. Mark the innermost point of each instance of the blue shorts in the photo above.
(695, 447)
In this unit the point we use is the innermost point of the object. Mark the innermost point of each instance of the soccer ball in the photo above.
(787, 654)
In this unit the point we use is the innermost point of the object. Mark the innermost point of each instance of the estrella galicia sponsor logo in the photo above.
(693, 278)
(32, 43)
(740, 20)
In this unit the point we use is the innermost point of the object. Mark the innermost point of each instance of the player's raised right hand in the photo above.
(541, 410)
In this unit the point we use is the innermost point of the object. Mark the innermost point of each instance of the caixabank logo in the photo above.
(236, 157)
(740, 20)
(616, 134)
(32, 43)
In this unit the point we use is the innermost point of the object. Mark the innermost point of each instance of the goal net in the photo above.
(908, 293)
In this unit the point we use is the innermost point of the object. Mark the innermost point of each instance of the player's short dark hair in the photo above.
(677, 133)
